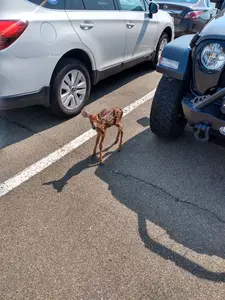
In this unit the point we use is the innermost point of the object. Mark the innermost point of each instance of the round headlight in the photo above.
(213, 57)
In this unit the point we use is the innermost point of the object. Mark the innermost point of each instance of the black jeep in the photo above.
(192, 88)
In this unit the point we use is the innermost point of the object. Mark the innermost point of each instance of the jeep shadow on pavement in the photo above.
(161, 183)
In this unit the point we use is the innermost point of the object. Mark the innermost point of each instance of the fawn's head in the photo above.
(93, 118)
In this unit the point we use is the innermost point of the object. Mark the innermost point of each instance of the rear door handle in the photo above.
(86, 26)
(130, 25)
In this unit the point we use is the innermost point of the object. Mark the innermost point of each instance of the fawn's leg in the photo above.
(100, 147)
(117, 137)
(118, 125)
(121, 137)
(120, 134)
(96, 144)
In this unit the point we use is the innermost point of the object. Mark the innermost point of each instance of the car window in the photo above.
(212, 5)
(52, 4)
(99, 4)
(74, 4)
(132, 5)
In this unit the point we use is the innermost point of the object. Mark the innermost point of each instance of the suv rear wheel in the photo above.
(163, 41)
(167, 118)
(70, 88)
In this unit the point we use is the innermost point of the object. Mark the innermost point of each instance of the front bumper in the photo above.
(188, 27)
(38, 98)
(210, 114)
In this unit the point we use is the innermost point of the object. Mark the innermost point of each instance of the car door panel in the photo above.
(103, 32)
(141, 32)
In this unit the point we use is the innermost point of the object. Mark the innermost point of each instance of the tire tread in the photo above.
(166, 106)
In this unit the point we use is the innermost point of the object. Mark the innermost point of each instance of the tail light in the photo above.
(192, 15)
(10, 31)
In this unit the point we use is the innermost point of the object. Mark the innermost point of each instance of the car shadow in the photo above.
(20, 124)
(178, 186)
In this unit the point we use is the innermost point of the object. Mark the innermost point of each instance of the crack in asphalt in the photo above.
(30, 130)
(18, 125)
(176, 199)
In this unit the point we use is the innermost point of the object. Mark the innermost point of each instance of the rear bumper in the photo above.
(188, 27)
(16, 101)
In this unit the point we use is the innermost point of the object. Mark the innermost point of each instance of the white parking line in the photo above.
(47, 161)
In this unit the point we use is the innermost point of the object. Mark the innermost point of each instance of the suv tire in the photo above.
(164, 39)
(167, 118)
(70, 88)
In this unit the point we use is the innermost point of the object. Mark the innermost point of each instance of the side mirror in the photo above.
(153, 8)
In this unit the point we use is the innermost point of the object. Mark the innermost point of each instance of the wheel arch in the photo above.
(169, 31)
(78, 54)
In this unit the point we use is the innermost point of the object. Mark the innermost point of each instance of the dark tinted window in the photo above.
(53, 4)
(99, 4)
(74, 4)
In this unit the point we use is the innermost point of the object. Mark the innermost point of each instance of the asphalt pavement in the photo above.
(149, 224)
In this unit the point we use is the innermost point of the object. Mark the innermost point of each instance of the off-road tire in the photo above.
(166, 117)
(155, 58)
(56, 106)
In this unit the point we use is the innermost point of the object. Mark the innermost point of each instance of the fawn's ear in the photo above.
(85, 114)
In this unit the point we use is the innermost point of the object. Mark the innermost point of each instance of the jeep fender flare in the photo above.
(178, 50)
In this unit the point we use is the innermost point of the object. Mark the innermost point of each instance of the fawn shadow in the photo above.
(178, 186)
(89, 162)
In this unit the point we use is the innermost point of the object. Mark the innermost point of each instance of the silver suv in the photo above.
(52, 51)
